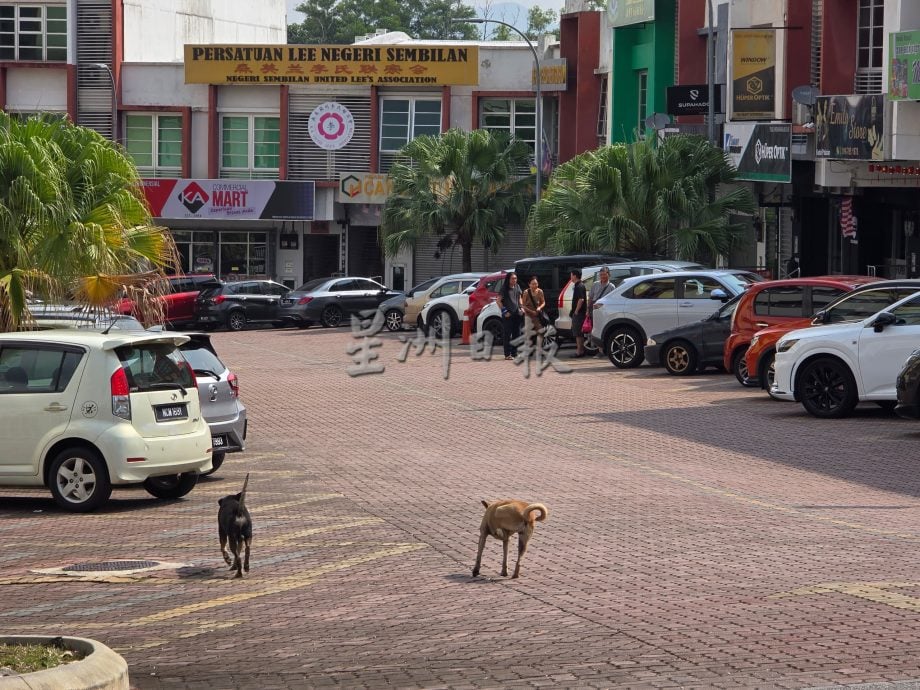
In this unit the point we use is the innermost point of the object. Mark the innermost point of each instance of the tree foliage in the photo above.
(674, 198)
(461, 187)
(73, 221)
(339, 21)
(540, 22)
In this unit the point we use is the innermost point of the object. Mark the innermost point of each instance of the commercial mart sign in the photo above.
(753, 74)
(229, 199)
(384, 65)
(904, 67)
(760, 151)
(363, 188)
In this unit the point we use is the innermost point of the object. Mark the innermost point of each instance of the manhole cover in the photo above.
(109, 565)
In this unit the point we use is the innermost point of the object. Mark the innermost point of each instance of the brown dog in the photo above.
(504, 518)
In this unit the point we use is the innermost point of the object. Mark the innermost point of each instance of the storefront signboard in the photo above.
(904, 70)
(692, 99)
(753, 74)
(554, 75)
(229, 199)
(850, 127)
(363, 188)
(760, 152)
(381, 65)
(626, 12)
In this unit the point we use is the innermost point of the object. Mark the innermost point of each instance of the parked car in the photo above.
(553, 272)
(327, 301)
(219, 397)
(446, 312)
(774, 302)
(860, 303)
(437, 287)
(694, 346)
(236, 304)
(653, 304)
(179, 302)
(485, 293)
(394, 311)
(83, 411)
(908, 388)
(829, 369)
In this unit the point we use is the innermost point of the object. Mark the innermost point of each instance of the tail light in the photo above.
(121, 394)
(218, 299)
(304, 300)
(562, 294)
(234, 385)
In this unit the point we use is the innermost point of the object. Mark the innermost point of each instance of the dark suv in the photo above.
(553, 272)
(236, 304)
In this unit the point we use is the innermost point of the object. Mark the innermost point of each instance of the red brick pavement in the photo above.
(700, 535)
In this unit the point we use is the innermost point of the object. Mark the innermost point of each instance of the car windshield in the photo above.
(152, 366)
(201, 358)
(738, 282)
(311, 285)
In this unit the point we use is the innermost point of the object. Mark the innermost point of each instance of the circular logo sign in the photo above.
(331, 126)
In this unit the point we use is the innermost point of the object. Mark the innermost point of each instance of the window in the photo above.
(196, 250)
(343, 286)
(870, 44)
(404, 119)
(275, 289)
(451, 288)
(154, 142)
(243, 253)
(862, 305)
(782, 301)
(700, 288)
(643, 102)
(149, 365)
(250, 147)
(33, 32)
(602, 113)
(368, 285)
(36, 370)
(822, 296)
(661, 288)
(908, 313)
(516, 117)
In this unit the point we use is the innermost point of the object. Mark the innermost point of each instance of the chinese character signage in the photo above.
(554, 75)
(850, 127)
(331, 126)
(760, 151)
(363, 188)
(229, 199)
(904, 70)
(308, 64)
(753, 74)
(626, 12)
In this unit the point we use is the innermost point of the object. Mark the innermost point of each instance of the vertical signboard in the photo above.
(904, 67)
(753, 74)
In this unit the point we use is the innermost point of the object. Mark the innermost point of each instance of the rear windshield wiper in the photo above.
(206, 372)
(170, 386)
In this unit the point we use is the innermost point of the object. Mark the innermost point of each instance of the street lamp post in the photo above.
(102, 65)
(538, 144)
(710, 78)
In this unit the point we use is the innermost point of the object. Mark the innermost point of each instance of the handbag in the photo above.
(542, 317)
(587, 325)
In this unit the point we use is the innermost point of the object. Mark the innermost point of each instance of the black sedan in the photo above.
(693, 346)
(328, 301)
(908, 387)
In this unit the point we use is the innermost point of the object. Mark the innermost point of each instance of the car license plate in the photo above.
(167, 413)
(218, 441)
(287, 301)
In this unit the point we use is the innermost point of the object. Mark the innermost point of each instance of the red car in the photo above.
(179, 303)
(485, 293)
(779, 302)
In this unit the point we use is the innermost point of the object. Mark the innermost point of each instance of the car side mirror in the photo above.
(719, 294)
(886, 318)
(819, 318)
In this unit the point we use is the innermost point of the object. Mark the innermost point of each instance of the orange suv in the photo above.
(779, 302)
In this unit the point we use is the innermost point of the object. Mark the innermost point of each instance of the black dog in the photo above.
(234, 523)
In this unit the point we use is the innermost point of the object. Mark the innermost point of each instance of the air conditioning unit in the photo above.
(801, 114)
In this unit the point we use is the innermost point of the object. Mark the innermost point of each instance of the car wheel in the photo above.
(216, 461)
(494, 326)
(79, 480)
(236, 320)
(172, 485)
(442, 322)
(826, 388)
(331, 316)
(680, 358)
(739, 367)
(624, 348)
(768, 370)
(393, 319)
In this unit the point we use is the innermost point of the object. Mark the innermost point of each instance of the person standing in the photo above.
(600, 288)
(534, 302)
(579, 311)
(509, 301)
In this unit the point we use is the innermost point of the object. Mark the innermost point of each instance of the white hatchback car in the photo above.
(83, 411)
(829, 369)
(446, 311)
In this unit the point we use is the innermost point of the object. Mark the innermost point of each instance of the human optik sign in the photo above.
(331, 64)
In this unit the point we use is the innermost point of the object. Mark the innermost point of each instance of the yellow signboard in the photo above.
(754, 74)
(383, 65)
(363, 188)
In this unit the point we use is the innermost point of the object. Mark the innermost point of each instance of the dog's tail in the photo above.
(544, 511)
(243, 492)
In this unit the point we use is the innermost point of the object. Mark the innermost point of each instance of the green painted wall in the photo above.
(635, 48)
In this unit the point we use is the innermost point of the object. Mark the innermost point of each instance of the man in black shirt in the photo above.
(579, 310)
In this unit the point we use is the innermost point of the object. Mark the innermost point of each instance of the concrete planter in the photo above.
(102, 669)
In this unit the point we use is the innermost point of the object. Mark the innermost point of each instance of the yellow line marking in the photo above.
(315, 498)
(291, 536)
(876, 592)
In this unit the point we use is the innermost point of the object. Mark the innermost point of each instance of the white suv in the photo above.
(638, 307)
(83, 411)
(829, 369)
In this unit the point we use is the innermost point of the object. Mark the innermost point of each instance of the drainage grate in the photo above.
(109, 565)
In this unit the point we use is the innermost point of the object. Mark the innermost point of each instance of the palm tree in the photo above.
(676, 197)
(73, 221)
(461, 187)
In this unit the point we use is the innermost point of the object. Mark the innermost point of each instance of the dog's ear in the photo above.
(220, 501)
(485, 504)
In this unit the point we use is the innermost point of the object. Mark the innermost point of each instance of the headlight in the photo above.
(650, 341)
(754, 340)
(786, 345)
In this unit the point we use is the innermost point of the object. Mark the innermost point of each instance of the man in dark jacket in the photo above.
(579, 310)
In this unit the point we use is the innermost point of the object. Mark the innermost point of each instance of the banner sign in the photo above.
(626, 12)
(332, 64)
(850, 127)
(753, 74)
(904, 69)
(229, 199)
(760, 151)
(554, 75)
(363, 188)
(692, 99)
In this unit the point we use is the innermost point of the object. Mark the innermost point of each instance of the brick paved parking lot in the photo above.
(700, 535)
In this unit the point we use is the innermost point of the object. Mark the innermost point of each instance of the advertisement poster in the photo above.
(229, 199)
(626, 12)
(904, 70)
(850, 127)
(753, 74)
(332, 64)
(760, 151)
